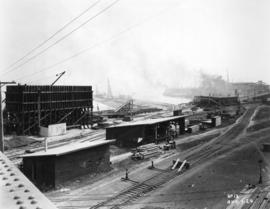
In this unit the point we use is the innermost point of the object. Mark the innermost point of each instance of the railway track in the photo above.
(138, 190)
(258, 201)
(208, 151)
(222, 143)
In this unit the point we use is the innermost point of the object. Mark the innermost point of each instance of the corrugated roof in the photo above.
(16, 191)
(148, 121)
(69, 148)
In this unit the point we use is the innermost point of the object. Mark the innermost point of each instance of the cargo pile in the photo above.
(146, 151)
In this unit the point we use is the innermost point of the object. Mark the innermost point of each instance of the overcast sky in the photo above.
(139, 45)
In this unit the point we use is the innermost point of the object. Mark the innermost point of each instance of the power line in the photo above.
(49, 77)
(113, 37)
(63, 37)
(53, 35)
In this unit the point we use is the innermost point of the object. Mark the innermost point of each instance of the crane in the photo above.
(59, 76)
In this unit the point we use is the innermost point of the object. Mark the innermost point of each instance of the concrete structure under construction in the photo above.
(30, 107)
(135, 133)
(48, 169)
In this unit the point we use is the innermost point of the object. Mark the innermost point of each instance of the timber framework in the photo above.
(30, 107)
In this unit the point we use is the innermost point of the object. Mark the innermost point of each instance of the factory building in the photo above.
(249, 89)
(51, 168)
(132, 134)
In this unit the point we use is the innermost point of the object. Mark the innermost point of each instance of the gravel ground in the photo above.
(222, 165)
(210, 186)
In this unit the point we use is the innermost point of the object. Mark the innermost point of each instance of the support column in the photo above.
(182, 125)
(155, 133)
(38, 107)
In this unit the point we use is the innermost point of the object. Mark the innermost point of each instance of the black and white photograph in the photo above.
(135, 104)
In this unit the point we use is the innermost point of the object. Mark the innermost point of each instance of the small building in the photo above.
(53, 130)
(216, 121)
(136, 133)
(48, 169)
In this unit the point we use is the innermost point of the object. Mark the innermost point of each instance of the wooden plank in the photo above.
(175, 164)
(181, 167)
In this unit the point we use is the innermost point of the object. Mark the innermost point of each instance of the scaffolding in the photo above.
(29, 107)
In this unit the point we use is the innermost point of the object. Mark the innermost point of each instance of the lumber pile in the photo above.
(146, 151)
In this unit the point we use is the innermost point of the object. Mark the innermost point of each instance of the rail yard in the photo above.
(152, 156)
(112, 104)
(143, 181)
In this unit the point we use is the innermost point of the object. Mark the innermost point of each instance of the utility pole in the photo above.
(260, 167)
(38, 106)
(1, 116)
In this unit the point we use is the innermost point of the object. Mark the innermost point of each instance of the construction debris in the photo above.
(180, 165)
(170, 145)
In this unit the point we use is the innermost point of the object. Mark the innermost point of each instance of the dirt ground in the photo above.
(216, 183)
(229, 163)
(261, 120)
(212, 186)
(263, 113)
(118, 169)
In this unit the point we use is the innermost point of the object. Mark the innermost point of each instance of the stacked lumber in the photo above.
(146, 151)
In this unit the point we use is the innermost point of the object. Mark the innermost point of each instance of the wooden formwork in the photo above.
(28, 107)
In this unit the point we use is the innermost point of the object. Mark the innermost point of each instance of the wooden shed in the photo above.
(48, 169)
(135, 133)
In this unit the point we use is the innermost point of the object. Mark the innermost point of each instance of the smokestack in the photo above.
(46, 144)
(228, 76)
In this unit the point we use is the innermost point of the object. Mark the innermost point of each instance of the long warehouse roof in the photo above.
(69, 148)
(148, 121)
